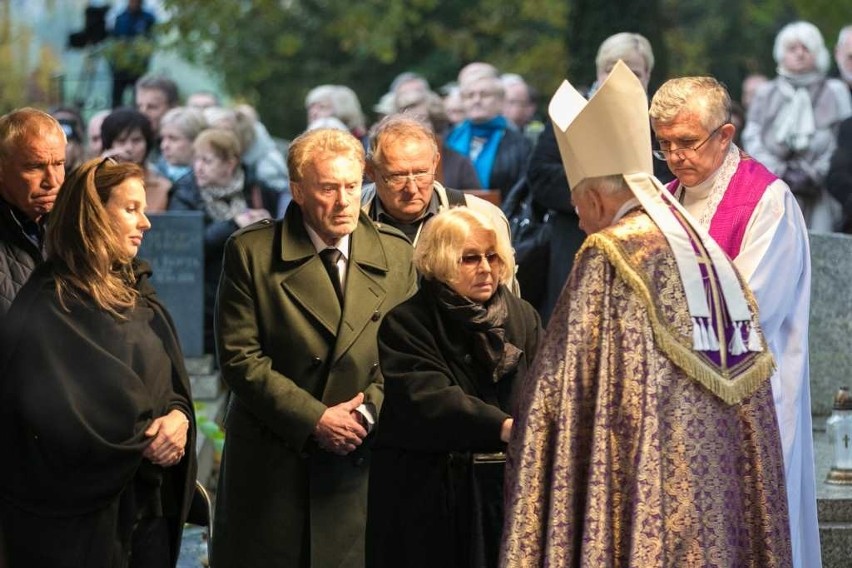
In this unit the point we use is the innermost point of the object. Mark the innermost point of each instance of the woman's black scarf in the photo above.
(486, 324)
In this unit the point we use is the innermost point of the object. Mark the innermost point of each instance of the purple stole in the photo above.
(744, 191)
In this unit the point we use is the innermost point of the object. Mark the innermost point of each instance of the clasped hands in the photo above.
(341, 428)
(168, 439)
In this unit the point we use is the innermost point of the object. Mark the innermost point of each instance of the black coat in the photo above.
(456, 170)
(439, 408)
(510, 161)
(18, 257)
(79, 388)
(839, 179)
(549, 187)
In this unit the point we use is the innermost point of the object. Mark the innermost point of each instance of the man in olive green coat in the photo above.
(301, 360)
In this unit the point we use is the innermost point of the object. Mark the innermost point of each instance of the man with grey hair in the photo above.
(755, 218)
(843, 55)
(32, 169)
(477, 69)
(402, 161)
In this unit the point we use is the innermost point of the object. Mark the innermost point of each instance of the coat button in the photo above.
(376, 316)
(374, 367)
(316, 361)
(468, 358)
(359, 462)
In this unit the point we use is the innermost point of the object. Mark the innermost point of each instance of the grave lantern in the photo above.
(839, 430)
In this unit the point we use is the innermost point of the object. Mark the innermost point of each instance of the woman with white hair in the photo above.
(634, 49)
(453, 358)
(218, 188)
(792, 122)
(178, 129)
(342, 103)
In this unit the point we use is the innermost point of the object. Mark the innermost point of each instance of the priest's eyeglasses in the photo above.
(398, 181)
(684, 153)
(474, 259)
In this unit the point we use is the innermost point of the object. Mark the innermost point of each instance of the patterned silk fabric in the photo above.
(621, 458)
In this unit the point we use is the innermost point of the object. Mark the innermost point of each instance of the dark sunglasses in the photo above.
(474, 259)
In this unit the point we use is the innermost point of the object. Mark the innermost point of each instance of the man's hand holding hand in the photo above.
(338, 431)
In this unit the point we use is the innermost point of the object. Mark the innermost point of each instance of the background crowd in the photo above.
(491, 134)
(416, 152)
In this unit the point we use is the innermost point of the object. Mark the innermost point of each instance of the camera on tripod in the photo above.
(95, 30)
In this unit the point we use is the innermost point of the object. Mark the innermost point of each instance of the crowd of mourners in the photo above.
(376, 318)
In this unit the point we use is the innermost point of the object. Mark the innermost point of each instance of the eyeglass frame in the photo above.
(661, 154)
(491, 258)
(405, 179)
(105, 160)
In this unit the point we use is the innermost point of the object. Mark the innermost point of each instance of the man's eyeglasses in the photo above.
(468, 95)
(685, 153)
(472, 259)
(398, 181)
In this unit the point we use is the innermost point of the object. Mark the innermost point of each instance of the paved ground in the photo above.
(193, 550)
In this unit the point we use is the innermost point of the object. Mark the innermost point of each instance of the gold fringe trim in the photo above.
(730, 387)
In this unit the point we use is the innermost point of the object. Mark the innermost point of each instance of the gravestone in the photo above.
(830, 329)
(174, 246)
(830, 350)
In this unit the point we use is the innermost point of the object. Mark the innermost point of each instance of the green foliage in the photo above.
(592, 21)
(727, 39)
(26, 79)
(131, 55)
(271, 52)
(731, 38)
(828, 15)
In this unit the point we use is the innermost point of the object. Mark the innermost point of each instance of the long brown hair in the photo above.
(89, 259)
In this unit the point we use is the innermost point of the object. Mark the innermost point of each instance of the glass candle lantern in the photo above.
(839, 430)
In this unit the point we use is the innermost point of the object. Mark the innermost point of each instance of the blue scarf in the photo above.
(493, 130)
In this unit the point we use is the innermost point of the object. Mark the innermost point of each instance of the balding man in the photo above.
(403, 162)
(499, 153)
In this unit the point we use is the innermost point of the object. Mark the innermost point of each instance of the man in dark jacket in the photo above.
(839, 179)
(32, 168)
(299, 306)
(402, 162)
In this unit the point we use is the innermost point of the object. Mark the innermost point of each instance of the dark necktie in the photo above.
(329, 258)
